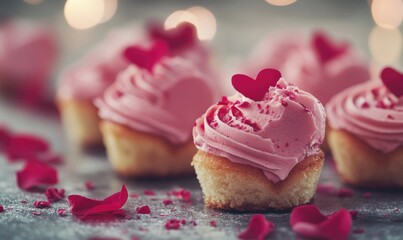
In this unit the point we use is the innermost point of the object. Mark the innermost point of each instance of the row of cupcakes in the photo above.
(257, 150)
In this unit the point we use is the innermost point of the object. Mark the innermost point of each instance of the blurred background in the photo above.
(233, 27)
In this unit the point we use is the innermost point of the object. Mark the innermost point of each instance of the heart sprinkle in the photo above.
(256, 89)
(146, 58)
(393, 81)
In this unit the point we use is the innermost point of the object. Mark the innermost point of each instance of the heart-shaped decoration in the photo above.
(182, 36)
(325, 48)
(256, 89)
(146, 58)
(393, 80)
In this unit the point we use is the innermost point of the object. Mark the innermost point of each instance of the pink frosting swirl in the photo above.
(274, 134)
(164, 103)
(370, 112)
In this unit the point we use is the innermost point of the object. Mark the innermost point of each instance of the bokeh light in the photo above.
(385, 45)
(109, 10)
(201, 17)
(281, 2)
(387, 13)
(33, 2)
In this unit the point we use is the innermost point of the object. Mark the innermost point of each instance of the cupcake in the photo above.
(28, 53)
(87, 80)
(311, 63)
(148, 114)
(366, 132)
(259, 149)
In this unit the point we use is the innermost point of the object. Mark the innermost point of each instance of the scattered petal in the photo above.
(367, 194)
(36, 213)
(143, 209)
(167, 201)
(174, 224)
(42, 204)
(5, 137)
(82, 206)
(309, 222)
(258, 228)
(353, 213)
(61, 212)
(25, 146)
(1, 209)
(36, 174)
(149, 192)
(54, 194)
(345, 192)
(213, 223)
(181, 194)
(133, 195)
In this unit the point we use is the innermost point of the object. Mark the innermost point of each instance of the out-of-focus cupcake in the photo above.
(28, 53)
(366, 132)
(148, 114)
(259, 149)
(319, 65)
(87, 80)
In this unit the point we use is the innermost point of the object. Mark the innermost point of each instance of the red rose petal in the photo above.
(345, 192)
(5, 137)
(143, 210)
(146, 58)
(42, 204)
(24, 146)
(133, 195)
(181, 194)
(61, 212)
(258, 228)
(167, 201)
(256, 89)
(149, 192)
(309, 222)
(1, 209)
(393, 81)
(213, 223)
(325, 48)
(174, 224)
(82, 206)
(35, 174)
(184, 35)
(36, 213)
(54, 194)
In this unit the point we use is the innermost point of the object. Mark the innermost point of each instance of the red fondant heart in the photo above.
(325, 48)
(393, 80)
(182, 36)
(256, 89)
(146, 58)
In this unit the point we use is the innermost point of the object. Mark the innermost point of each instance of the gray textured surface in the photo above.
(381, 216)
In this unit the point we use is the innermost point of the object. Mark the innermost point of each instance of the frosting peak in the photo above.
(273, 134)
(163, 102)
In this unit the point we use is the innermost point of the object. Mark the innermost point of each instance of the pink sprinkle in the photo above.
(244, 105)
(365, 105)
(345, 192)
(42, 204)
(284, 102)
(167, 201)
(390, 116)
(367, 194)
(61, 212)
(213, 223)
(37, 213)
(224, 101)
(172, 224)
(1, 209)
(89, 185)
(133, 195)
(143, 209)
(149, 192)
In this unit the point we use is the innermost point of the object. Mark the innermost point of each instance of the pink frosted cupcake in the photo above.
(318, 65)
(148, 114)
(262, 145)
(87, 80)
(28, 53)
(366, 132)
